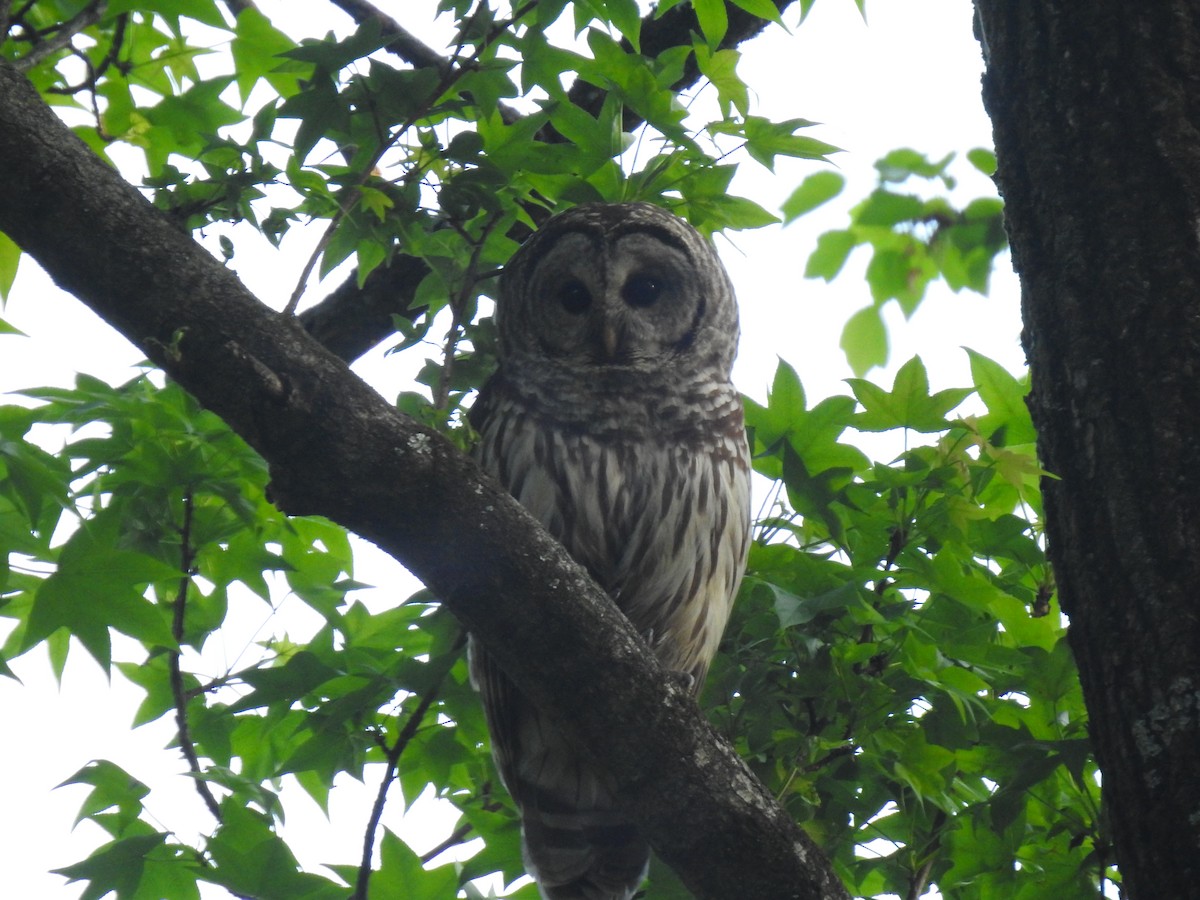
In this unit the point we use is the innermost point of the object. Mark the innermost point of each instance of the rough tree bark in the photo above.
(336, 448)
(1096, 111)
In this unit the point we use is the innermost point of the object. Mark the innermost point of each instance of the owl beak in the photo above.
(610, 337)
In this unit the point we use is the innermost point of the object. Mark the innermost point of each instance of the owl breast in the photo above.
(660, 520)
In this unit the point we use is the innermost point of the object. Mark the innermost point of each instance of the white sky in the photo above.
(910, 78)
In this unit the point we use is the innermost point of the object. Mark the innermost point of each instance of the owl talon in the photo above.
(685, 681)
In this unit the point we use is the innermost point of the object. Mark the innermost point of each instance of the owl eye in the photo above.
(574, 296)
(641, 291)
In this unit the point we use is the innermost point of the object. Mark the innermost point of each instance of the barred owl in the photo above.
(612, 419)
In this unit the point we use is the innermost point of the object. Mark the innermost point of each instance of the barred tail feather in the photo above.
(577, 845)
(585, 862)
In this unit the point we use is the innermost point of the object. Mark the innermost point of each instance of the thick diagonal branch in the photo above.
(336, 448)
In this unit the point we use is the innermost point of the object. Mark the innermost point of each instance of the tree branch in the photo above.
(401, 42)
(85, 18)
(338, 449)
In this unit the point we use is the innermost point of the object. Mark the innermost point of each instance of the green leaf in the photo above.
(900, 271)
(201, 10)
(333, 55)
(764, 9)
(117, 866)
(816, 189)
(713, 19)
(786, 405)
(627, 18)
(833, 249)
(111, 786)
(766, 139)
(787, 393)
(36, 483)
(250, 859)
(719, 211)
(864, 339)
(900, 165)
(664, 883)
(814, 494)
(793, 610)
(983, 160)
(720, 68)
(97, 587)
(1004, 397)
(814, 436)
(401, 874)
(153, 677)
(300, 674)
(908, 405)
(885, 209)
(321, 111)
(257, 49)
(184, 123)
(10, 258)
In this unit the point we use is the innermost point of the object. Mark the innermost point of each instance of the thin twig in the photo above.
(920, 878)
(834, 754)
(19, 15)
(456, 837)
(393, 762)
(302, 283)
(215, 684)
(95, 72)
(458, 305)
(186, 558)
(87, 17)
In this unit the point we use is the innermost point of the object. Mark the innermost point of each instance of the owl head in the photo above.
(619, 289)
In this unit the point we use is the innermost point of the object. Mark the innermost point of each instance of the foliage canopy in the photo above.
(895, 672)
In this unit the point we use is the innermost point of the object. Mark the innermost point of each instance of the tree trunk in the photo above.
(1096, 108)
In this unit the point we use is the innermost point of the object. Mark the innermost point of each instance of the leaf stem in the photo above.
(392, 764)
(186, 558)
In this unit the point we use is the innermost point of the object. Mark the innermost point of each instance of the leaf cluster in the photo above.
(913, 240)
(895, 670)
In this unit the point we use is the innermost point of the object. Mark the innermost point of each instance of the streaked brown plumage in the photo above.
(612, 419)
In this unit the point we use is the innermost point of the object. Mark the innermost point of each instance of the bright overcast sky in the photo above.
(909, 78)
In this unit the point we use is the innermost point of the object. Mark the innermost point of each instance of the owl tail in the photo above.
(578, 855)
(577, 845)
